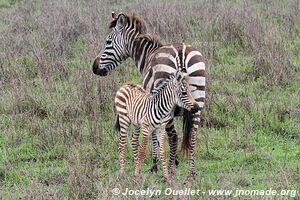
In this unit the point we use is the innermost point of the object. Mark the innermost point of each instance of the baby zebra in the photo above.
(150, 112)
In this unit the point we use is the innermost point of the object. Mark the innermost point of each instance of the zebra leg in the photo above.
(124, 123)
(143, 147)
(195, 125)
(173, 140)
(155, 145)
(162, 153)
(135, 148)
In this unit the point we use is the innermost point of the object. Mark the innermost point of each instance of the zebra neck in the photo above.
(142, 50)
(163, 103)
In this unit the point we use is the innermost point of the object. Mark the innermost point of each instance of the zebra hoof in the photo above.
(176, 162)
(121, 173)
(190, 178)
(137, 173)
(153, 169)
(167, 180)
(171, 171)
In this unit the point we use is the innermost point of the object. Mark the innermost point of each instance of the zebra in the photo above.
(150, 112)
(156, 62)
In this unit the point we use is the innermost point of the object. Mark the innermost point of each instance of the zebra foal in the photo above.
(151, 112)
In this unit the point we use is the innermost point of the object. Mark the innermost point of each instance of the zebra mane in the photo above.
(139, 22)
(154, 39)
(138, 87)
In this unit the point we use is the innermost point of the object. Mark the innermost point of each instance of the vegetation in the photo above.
(56, 117)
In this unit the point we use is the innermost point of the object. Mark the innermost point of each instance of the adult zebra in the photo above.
(156, 62)
(149, 112)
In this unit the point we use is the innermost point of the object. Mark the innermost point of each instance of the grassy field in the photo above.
(56, 117)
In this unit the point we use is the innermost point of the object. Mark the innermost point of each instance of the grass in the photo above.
(56, 118)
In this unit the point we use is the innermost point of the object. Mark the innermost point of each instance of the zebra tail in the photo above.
(117, 124)
(187, 126)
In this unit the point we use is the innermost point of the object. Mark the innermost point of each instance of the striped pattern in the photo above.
(156, 62)
(150, 112)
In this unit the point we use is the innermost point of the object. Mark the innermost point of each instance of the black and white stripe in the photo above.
(151, 112)
(156, 62)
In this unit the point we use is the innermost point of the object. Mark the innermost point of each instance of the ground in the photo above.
(56, 117)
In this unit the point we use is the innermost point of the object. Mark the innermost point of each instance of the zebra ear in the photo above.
(179, 76)
(121, 21)
(113, 15)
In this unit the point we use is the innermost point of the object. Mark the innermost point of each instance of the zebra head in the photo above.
(114, 51)
(123, 30)
(184, 98)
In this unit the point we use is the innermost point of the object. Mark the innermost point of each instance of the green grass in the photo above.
(7, 3)
(254, 146)
(56, 122)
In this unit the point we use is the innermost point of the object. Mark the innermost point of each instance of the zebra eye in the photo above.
(108, 42)
(184, 93)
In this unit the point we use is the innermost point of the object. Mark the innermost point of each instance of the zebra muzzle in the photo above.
(97, 70)
(103, 72)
